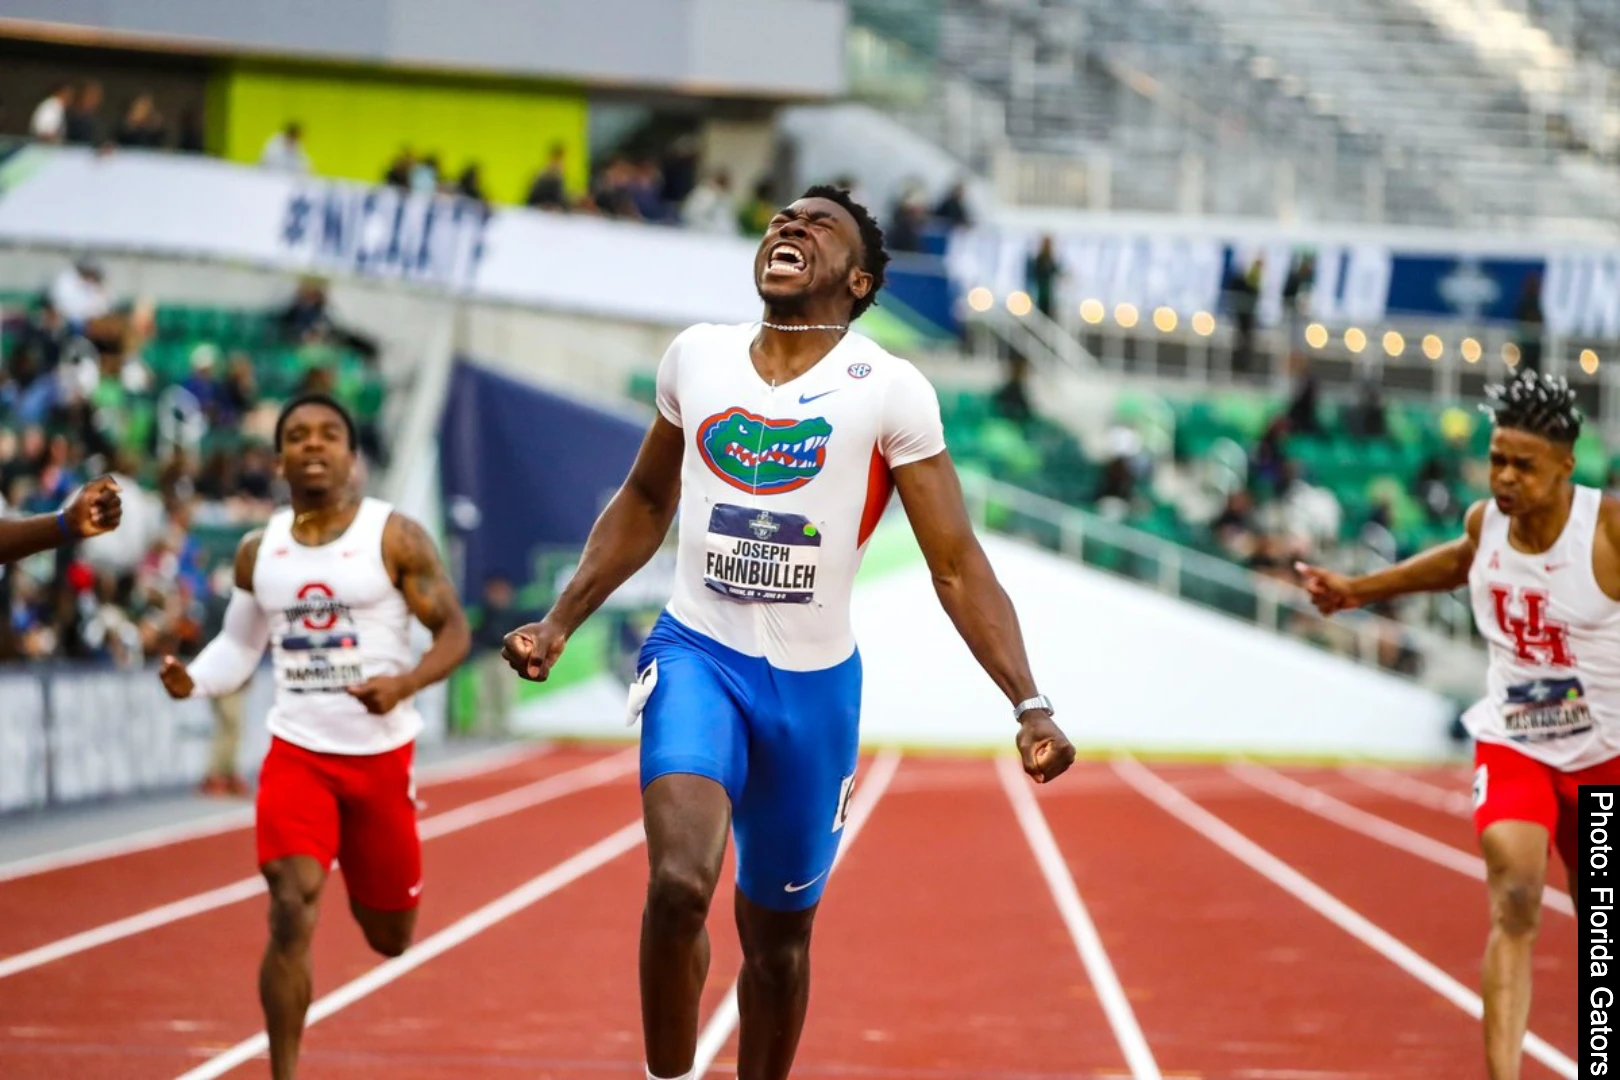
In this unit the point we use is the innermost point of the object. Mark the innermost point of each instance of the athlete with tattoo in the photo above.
(330, 585)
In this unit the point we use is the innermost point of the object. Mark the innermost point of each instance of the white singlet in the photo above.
(1553, 690)
(781, 486)
(336, 620)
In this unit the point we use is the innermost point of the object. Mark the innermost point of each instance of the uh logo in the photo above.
(1522, 615)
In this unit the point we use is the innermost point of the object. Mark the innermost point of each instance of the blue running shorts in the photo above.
(782, 743)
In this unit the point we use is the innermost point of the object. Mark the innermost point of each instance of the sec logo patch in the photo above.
(859, 371)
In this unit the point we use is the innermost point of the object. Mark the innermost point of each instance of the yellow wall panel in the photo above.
(355, 121)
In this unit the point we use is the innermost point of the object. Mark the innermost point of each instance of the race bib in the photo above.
(319, 663)
(760, 556)
(1546, 709)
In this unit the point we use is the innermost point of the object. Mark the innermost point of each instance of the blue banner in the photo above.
(525, 472)
(1573, 292)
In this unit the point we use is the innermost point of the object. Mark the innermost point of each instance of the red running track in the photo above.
(941, 952)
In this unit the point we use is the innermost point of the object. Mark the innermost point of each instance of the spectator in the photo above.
(1296, 300)
(1042, 275)
(399, 170)
(952, 209)
(647, 191)
(550, 188)
(1243, 300)
(1304, 413)
(1366, 419)
(1266, 463)
(79, 295)
(49, 122)
(142, 125)
(712, 207)
(84, 115)
(1011, 399)
(906, 223)
(425, 175)
(614, 195)
(1233, 528)
(203, 383)
(679, 172)
(284, 151)
(471, 184)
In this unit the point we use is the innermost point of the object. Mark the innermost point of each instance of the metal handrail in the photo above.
(1448, 666)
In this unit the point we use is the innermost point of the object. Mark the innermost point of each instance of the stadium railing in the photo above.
(1448, 666)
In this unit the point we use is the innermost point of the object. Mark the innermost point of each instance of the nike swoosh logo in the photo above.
(791, 888)
(1555, 566)
(416, 890)
(807, 400)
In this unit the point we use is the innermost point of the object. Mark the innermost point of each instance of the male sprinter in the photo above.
(1542, 562)
(330, 585)
(787, 437)
(95, 509)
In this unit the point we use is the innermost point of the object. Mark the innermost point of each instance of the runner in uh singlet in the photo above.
(1552, 704)
(330, 586)
(780, 442)
(1541, 560)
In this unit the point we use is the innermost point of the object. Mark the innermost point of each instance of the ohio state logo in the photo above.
(1537, 639)
(317, 608)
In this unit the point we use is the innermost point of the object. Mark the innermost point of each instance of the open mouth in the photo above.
(786, 259)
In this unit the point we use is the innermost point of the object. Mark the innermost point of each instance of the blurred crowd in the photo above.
(193, 450)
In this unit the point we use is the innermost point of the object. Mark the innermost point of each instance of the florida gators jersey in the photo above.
(782, 485)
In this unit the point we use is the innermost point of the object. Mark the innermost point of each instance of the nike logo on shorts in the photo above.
(792, 888)
(415, 890)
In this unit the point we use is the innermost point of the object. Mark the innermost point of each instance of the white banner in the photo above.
(189, 206)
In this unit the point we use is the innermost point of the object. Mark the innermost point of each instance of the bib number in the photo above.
(1546, 709)
(319, 663)
(758, 556)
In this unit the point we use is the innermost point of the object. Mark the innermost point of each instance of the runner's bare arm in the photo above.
(1439, 569)
(228, 661)
(630, 530)
(976, 603)
(628, 533)
(413, 560)
(94, 510)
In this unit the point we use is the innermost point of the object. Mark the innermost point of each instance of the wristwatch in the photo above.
(1039, 701)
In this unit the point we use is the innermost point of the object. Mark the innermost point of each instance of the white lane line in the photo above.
(1325, 904)
(1413, 790)
(463, 817)
(1066, 894)
(230, 820)
(717, 1032)
(1383, 830)
(496, 911)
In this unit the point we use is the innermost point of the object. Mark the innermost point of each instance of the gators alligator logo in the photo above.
(761, 456)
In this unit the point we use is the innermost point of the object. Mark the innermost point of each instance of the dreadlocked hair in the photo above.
(873, 257)
(1540, 404)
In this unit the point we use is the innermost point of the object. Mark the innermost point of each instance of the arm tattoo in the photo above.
(427, 588)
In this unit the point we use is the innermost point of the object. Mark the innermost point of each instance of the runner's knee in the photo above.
(678, 896)
(782, 961)
(293, 905)
(1516, 906)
